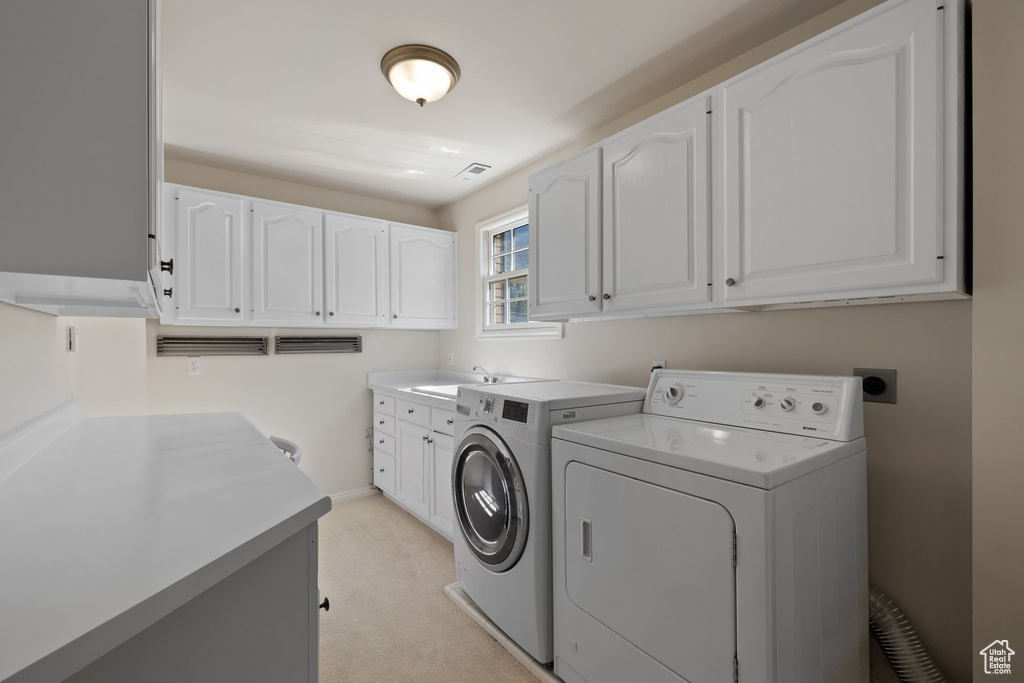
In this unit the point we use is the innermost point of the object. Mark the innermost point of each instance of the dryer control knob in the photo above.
(787, 404)
(818, 408)
(674, 394)
(759, 402)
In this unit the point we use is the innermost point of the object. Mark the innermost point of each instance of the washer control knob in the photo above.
(819, 408)
(787, 404)
(674, 394)
(759, 402)
(488, 405)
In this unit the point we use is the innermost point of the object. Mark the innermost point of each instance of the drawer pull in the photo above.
(449, 420)
(380, 422)
(381, 442)
(325, 605)
(382, 470)
(411, 410)
(380, 402)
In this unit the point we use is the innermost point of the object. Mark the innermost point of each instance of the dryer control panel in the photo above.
(823, 407)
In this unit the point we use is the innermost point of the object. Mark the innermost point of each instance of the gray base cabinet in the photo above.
(258, 624)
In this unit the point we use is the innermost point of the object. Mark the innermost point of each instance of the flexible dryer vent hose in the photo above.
(899, 641)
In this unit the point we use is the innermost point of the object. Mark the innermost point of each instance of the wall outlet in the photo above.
(72, 338)
(658, 365)
(879, 384)
(193, 366)
(451, 358)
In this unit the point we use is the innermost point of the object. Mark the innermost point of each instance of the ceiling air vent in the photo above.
(352, 344)
(472, 171)
(211, 346)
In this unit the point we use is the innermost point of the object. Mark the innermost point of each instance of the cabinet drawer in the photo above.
(442, 421)
(383, 442)
(383, 423)
(382, 403)
(383, 471)
(417, 413)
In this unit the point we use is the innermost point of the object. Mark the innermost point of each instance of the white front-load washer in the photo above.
(718, 536)
(501, 479)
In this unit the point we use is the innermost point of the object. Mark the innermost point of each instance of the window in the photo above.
(504, 249)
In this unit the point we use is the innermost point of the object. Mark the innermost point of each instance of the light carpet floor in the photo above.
(385, 574)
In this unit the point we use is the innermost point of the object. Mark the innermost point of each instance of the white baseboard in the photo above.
(354, 494)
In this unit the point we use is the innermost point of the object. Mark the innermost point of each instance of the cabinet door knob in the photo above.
(380, 422)
(449, 420)
(395, 316)
(730, 282)
(326, 604)
(318, 314)
(331, 313)
(593, 298)
(607, 296)
(380, 402)
(382, 470)
(238, 310)
(412, 410)
(381, 442)
(424, 438)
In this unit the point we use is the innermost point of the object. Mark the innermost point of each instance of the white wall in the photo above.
(919, 469)
(36, 372)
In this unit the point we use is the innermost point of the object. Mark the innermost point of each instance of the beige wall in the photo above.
(319, 401)
(36, 372)
(998, 343)
(919, 449)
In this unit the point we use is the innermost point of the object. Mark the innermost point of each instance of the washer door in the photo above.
(490, 499)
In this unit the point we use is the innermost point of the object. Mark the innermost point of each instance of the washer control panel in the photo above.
(505, 411)
(825, 407)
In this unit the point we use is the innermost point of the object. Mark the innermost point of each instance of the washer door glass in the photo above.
(490, 502)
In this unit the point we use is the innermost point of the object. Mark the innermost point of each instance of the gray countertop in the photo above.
(118, 521)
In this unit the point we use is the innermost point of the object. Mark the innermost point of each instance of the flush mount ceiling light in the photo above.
(420, 73)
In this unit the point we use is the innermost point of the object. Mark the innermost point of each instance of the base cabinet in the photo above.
(259, 624)
(413, 446)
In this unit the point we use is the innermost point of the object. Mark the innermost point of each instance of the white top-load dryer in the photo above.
(501, 478)
(718, 536)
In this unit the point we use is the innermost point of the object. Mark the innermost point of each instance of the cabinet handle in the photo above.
(424, 438)
(381, 442)
(318, 314)
(449, 420)
(325, 605)
(381, 422)
(331, 313)
(395, 316)
(238, 310)
(411, 410)
(382, 403)
(382, 470)
(730, 282)
(606, 296)
(429, 440)
(593, 298)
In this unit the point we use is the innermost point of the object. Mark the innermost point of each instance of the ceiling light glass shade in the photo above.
(420, 73)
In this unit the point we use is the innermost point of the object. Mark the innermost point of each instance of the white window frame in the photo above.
(535, 330)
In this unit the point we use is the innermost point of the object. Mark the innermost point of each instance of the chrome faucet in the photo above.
(488, 377)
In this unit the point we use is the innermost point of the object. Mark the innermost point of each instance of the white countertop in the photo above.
(404, 384)
(119, 521)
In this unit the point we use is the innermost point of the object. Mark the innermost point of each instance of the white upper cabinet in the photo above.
(209, 230)
(565, 222)
(423, 277)
(355, 270)
(832, 168)
(656, 222)
(287, 264)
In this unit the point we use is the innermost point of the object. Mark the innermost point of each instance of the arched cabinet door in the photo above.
(422, 277)
(832, 164)
(355, 270)
(657, 222)
(287, 258)
(565, 230)
(209, 274)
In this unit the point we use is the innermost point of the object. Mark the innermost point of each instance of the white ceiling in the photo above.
(293, 89)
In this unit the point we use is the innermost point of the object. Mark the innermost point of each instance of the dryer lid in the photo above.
(747, 456)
